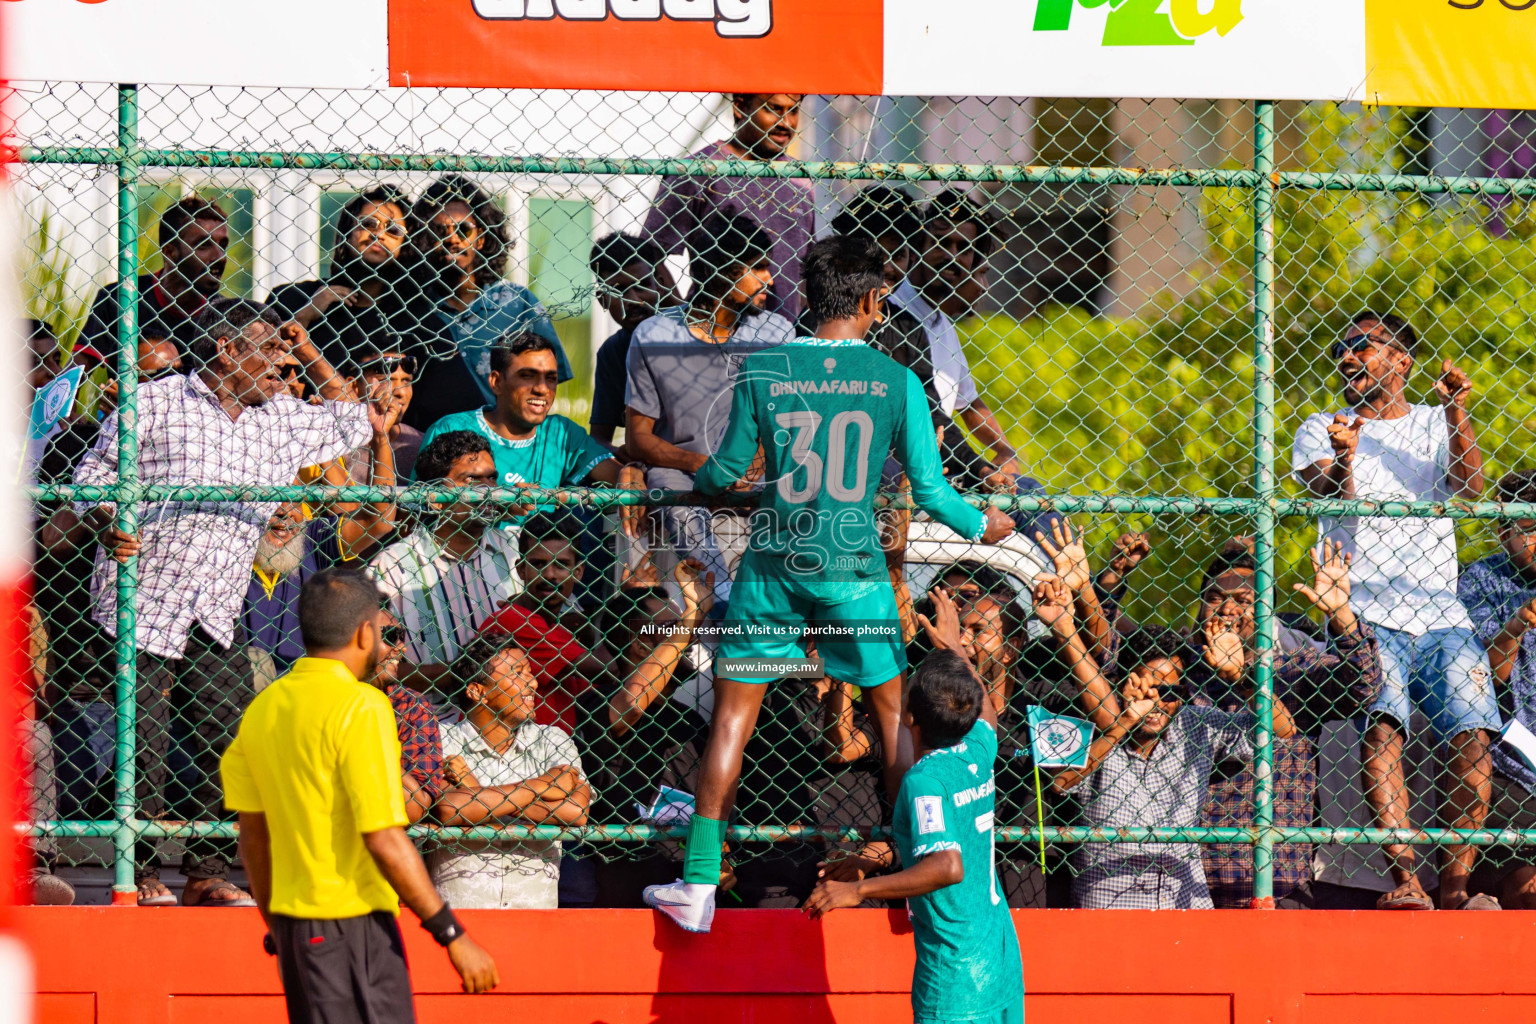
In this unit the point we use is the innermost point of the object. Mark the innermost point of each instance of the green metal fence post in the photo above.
(123, 804)
(1264, 497)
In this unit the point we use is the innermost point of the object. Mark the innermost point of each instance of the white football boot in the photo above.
(690, 904)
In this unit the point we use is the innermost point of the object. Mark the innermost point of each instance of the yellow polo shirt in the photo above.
(318, 754)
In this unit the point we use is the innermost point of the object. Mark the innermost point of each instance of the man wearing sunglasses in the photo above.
(374, 366)
(1382, 447)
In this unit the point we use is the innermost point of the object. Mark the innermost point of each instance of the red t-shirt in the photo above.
(553, 650)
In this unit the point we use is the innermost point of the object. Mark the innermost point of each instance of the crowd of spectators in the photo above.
(551, 665)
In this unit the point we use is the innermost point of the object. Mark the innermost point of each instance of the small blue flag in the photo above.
(53, 401)
(1058, 741)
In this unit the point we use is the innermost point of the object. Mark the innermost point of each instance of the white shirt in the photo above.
(503, 874)
(195, 557)
(441, 600)
(1404, 570)
(951, 372)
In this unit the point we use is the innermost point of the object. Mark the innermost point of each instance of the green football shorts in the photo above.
(767, 616)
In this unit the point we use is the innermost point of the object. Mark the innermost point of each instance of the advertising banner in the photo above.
(1459, 53)
(330, 43)
(1451, 53)
(684, 45)
(1212, 49)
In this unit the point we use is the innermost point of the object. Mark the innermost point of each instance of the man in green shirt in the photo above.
(531, 444)
(968, 967)
(825, 412)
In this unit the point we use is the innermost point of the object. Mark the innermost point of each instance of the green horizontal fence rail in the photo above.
(1264, 508)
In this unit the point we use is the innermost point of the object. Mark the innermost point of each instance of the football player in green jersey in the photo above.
(968, 967)
(824, 411)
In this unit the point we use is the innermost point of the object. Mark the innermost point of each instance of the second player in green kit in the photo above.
(825, 412)
(968, 968)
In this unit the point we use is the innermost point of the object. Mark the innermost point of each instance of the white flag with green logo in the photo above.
(1058, 741)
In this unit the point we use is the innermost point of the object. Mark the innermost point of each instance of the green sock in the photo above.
(701, 861)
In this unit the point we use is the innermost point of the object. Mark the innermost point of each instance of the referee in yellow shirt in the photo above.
(314, 773)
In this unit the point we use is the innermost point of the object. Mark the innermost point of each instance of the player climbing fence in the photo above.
(1131, 307)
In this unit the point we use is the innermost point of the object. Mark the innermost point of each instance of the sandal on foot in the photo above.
(1482, 901)
(1405, 897)
(228, 895)
(153, 893)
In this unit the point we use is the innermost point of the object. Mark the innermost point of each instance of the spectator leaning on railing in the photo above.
(1383, 448)
(681, 374)
(452, 572)
(530, 443)
(1499, 592)
(1149, 765)
(227, 423)
(507, 769)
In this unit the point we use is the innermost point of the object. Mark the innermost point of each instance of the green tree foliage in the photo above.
(1162, 402)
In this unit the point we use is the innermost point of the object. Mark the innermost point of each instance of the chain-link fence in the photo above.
(509, 367)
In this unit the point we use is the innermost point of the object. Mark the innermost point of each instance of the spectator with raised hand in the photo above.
(1499, 593)
(1382, 447)
(1317, 686)
(1149, 765)
(370, 294)
(391, 374)
(228, 422)
(784, 208)
(633, 733)
(681, 376)
(633, 285)
(505, 768)
(532, 444)
(468, 305)
(1130, 550)
(193, 238)
(454, 572)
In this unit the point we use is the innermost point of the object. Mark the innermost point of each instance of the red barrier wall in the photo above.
(174, 966)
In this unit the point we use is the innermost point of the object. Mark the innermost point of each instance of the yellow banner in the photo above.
(1451, 53)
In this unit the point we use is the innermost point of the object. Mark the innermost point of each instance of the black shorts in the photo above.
(346, 971)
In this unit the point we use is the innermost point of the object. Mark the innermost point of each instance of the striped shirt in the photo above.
(442, 600)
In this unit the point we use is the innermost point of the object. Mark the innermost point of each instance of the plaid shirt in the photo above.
(195, 559)
(1492, 590)
(421, 741)
(1317, 687)
(1164, 789)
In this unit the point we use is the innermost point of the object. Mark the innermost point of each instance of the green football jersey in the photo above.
(559, 454)
(827, 414)
(967, 952)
